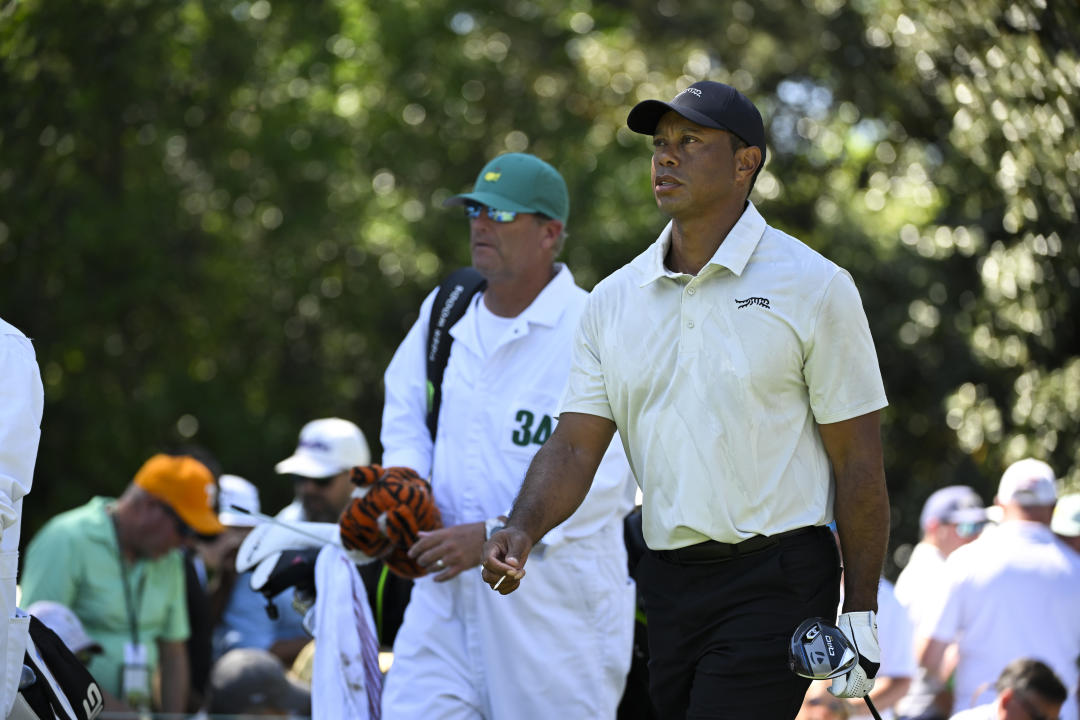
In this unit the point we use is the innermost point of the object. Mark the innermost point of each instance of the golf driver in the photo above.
(820, 651)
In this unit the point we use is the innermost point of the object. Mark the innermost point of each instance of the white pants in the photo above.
(557, 647)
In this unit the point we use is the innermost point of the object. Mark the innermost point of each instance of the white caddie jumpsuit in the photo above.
(560, 646)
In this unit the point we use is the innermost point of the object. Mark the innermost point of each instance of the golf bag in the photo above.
(55, 685)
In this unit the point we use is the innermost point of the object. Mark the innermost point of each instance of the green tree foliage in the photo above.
(218, 219)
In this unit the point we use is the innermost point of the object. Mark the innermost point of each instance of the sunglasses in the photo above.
(318, 482)
(966, 530)
(1031, 709)
(473, 210)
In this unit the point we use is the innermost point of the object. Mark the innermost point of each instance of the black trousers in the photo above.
(719, 631)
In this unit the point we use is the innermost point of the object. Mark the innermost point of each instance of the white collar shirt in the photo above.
(716, 382)
(920, 579)
(1013, 592)
(498, 407)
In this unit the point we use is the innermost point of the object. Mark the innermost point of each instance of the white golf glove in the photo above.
(861, 629)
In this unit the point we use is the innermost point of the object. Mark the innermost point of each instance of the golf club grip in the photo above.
(870, 704)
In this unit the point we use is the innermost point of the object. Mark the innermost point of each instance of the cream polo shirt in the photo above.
(716, 382)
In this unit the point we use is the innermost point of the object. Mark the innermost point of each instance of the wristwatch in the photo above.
(493, 525)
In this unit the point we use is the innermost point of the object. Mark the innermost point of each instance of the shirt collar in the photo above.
(100, 525)
(734, 252)
(545, 309)
(550, 304)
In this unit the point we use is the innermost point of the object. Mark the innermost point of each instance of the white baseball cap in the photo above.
(327, 447)
(65, 623)
(235, 491)
(1066, 520)
(1028, 482)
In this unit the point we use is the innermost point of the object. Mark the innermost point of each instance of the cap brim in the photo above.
(968, 515)
(491, 200)
(203, 521)
(306, 466)
(645, 116)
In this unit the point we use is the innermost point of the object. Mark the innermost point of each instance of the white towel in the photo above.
(345, 677)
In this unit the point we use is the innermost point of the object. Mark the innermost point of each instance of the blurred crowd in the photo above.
(984, 619)
(144, 588)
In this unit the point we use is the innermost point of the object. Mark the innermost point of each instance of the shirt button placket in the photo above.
(690, 342)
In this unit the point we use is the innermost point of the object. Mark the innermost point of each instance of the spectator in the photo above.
(1026, 690)
(739, 367)
(238, 613)
(1011, 593)
(116, 564)
(563, 648)
(249, 681)
(327, 450)
(1066, 520)
(951, 517)
(22, 401)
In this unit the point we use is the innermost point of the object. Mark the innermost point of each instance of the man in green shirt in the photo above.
(116, 564)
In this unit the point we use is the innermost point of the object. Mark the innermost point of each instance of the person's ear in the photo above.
(747, 160)
(552, 230)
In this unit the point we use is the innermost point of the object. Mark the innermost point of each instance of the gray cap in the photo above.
(247, 680)
(954, 504)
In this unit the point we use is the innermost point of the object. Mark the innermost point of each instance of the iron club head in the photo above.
(820, 651)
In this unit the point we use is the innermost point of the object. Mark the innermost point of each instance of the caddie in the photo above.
(562, 649)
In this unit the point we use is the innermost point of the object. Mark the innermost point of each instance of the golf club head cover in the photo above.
(861, 629)
(391, 506)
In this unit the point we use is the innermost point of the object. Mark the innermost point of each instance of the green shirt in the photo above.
(74, 559)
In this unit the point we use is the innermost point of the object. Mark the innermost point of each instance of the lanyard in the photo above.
(131, 603)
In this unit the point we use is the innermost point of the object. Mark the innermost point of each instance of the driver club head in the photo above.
(820, 651)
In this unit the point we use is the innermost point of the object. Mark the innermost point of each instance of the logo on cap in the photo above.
(691, 90)
(492, 176)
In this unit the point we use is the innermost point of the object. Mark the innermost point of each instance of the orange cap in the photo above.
(185, 485)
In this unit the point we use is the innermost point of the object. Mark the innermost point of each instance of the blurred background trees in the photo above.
(218, 219)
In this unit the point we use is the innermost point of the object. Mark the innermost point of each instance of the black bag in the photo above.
(63, 689)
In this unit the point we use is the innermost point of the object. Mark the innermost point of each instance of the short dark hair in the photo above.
(1032, 676)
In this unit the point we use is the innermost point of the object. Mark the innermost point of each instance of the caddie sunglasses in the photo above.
(473, 210)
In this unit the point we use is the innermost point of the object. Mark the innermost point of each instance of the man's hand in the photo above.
(449, 551)
(504, 557)
(861, 629)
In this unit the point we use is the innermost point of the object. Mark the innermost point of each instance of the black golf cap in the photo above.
(708, 103)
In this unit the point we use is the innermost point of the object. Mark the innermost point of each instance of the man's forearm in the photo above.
(862, 521)
(559, 476)
(861, 507)
(175, 677)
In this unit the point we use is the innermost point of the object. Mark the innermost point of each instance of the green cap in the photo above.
(521, 183)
